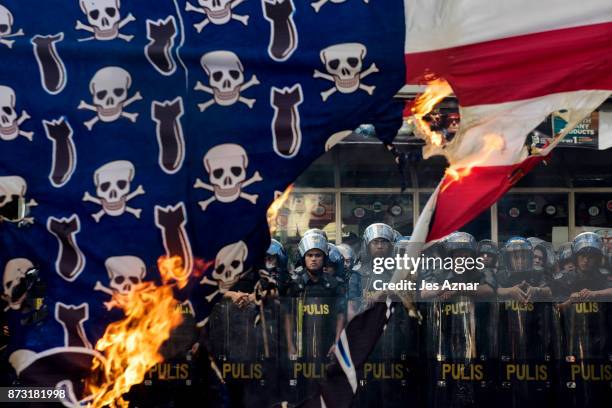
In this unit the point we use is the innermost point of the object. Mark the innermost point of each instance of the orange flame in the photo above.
(436, 91)
(131, 346)
(275, 207)
(172, 271)
(463, 168)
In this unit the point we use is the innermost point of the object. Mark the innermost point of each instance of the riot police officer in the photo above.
(489, 252)
(458, 356)
(276, 264)
(350, 259)
(587, 353)
(314, 315)
(387, 376)
(525, 329)
(378, 241)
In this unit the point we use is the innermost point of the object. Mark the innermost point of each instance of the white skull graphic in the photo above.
(229, 264)
(113, 182)
(125, 272)
(217, 11)
(103, 16)
(344, 65)
(11, 187)
(109, 88)
(6, 21)
(226, 166)
(113, 185)
(8, 114)
(14, 271)
(344, 62)
(226, 75)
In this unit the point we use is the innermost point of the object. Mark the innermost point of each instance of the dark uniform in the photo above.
(459, 347)
(313, 307)
(526, 333)
(586, 359)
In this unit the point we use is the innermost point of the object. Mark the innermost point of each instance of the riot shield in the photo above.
(525, 354)
(586, 358)
(453, 371)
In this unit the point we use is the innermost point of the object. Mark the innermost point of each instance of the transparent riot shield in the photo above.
(309, 325)
(487, 354)
(233, 341)
(525, 354)
(453, 371)
(586, 359)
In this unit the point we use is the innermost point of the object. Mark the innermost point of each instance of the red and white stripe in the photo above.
(510, 64)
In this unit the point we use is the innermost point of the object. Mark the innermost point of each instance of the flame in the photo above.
(171, 270)
(463, 168)
(275, 207)
(131, 345)
(437, 90)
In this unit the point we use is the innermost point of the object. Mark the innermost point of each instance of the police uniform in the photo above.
(586, 360)
(526, 335)
(457, 348)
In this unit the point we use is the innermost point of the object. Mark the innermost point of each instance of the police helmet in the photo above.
(336, 259)
(588, 243)
(313, 241)
(348, 254)
(378, 230)
(565, 253)
(316, 231)
(547, 250)
(276, 248)
(396, 235)
(486, 246)
(460, 241)
(518, 255)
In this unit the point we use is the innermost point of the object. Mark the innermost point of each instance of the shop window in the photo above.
(594, 210)
(541, 215)
(361, 210)
(479, 227)
(301, 212)
(369, 165)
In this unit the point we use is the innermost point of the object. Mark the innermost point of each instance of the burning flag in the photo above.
(510, 64)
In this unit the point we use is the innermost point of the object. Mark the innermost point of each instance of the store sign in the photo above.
(585, 134)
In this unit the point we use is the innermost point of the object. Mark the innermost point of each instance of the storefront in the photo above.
(357, 183)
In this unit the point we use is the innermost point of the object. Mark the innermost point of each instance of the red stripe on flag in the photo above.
(461, 201)
(521, 67)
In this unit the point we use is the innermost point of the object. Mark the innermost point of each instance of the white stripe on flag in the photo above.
(439, 24)
(346, 361)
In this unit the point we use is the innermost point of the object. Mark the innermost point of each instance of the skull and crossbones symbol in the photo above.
(344, 64)
(217, 12)
(226, 78)
(229, 267)
(317, 5)
(226, 165)
(6, 27)
(113, 185)
(125, 273)
(14, 271)
(104, 20)
(15, 188)
(109, 88)
(9, 121)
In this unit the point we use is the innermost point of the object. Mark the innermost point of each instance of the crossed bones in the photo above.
(97, 216)
(122, 23)
(326, 94)
(131, 116)
(9, 43)
(211, 282)
(249, 102)
(200, 26)
(112, 303)
(252, 198)
(24, 116)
